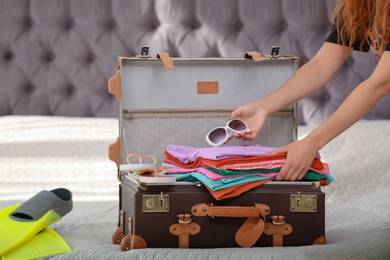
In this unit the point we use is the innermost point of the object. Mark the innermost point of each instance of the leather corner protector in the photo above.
(130, 242)
(114, 85)
(320, 241)
(114, 151)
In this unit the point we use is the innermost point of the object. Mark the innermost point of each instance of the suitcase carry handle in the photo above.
(253, 227)
(203, 209)
(250, 231)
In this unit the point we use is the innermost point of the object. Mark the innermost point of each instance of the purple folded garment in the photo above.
(189, 154)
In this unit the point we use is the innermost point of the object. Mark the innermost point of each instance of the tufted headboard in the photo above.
(56, 56)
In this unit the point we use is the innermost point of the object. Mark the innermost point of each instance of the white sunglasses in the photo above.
(221, 134)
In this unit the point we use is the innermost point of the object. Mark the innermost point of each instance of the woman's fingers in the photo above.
(297, 163)
(291, 173)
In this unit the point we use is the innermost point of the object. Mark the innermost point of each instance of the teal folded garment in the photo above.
(229, 182)
(218, 184)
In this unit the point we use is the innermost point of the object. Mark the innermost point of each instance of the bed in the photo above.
(41, 153)
(57, 118)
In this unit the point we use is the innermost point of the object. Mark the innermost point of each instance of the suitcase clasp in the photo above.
(155, 203)
(144, 53)
(303, 203)
(274, 53)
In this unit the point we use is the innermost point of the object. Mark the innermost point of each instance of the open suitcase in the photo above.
(166, 101)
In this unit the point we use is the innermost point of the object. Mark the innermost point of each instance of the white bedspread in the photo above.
(39, 153)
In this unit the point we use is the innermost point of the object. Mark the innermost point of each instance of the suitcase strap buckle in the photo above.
(184, 229)
(278, 228)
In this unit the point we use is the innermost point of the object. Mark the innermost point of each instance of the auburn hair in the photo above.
(354, 19)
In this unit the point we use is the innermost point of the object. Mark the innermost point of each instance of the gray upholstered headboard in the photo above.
(57, 55)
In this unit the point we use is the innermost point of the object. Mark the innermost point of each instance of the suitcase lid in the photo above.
(200, 83)
(189, 100)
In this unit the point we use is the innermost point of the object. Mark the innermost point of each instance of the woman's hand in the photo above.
(300, 156)
(254, 116)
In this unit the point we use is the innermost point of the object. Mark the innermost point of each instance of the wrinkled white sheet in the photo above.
(39, 153)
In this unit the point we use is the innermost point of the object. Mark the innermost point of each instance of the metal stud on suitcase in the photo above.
(166, 101)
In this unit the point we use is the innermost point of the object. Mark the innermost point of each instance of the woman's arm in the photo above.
(357, 104)
(308, 79)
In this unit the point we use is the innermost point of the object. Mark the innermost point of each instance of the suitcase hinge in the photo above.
(316, 185)
(127, 114)
(142, 185)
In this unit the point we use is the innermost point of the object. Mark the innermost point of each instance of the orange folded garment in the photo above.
(317, 164)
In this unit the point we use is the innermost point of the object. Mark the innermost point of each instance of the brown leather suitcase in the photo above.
(167, 101)
(275, 214)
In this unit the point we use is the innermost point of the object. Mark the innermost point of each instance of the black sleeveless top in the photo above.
(370, 42)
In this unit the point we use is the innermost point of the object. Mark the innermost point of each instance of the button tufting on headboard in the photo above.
(8, 55)
(50, 57)
(28, 22)
(28, 88)
(57, 55)
(69, 24)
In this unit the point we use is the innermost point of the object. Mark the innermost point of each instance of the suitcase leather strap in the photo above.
(278, 228)
(203, 209)
(256, 56)
(166, 59)
(184, 229)
(277, 232)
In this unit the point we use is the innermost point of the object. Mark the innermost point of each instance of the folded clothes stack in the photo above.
(229, 171)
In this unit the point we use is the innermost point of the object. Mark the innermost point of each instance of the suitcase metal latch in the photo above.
(303, 203)
(144, 53)
(274, 53)
(155, 203)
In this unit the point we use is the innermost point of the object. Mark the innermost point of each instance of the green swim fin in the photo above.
(19, 224)
(45, 243)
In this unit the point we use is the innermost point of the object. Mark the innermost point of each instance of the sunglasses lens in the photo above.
(218, 135)
(237, 125)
